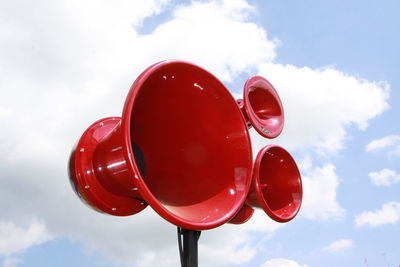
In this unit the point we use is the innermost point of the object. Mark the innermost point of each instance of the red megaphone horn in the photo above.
(182, 146)
(276, 186)
(262, 107)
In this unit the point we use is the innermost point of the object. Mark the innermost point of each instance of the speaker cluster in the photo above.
(182, 146)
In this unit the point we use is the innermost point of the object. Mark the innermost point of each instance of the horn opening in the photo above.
(263, 107)
(277, 186)
(194, 142)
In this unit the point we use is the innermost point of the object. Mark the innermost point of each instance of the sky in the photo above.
(65, 64)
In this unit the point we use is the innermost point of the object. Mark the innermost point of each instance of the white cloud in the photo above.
(319, 107)
(389, 213)
(214, 34)
(305, 163)
(11, 262)
(282, 263)
(319, 194)
(226, 256)
(384, 177)
(232, 244)
(383, 142)
(319, 104)
(15, 239)
(66, 64)
(147, 240)
(390, 142)
(339, 245)
(73, 62)
(260, 222)
(4, 112)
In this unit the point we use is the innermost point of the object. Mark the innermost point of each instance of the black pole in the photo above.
(189, 251)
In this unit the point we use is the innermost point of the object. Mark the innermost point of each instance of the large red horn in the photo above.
(276, 186)
(262, 107)
(181, 146)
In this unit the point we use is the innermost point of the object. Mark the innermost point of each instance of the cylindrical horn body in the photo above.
(90, 166)
(182, 146)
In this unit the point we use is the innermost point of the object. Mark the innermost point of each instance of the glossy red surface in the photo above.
(276, 187)
(194, 141)
(110, 165)
(84, 172)
(240, 103)
(263, 107)
(182, 146)
(243, 215)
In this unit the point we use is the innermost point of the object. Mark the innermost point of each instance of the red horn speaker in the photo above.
(276, 186)
(262, 107)
(182, 146)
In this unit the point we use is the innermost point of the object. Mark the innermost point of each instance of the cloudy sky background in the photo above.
(65, 64)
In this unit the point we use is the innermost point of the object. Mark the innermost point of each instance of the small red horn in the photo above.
(276, 186)
(181, 146)
(262, 107)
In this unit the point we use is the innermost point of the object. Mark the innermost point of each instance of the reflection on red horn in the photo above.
(262, 107)
(276, 186)
(181, 146)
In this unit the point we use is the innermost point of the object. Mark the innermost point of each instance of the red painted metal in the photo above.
(84, 173)
(262, 107)
(182, 146)
(276, 185)
(243, 215)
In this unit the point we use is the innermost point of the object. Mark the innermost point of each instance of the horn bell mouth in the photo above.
(194, 143)
(263, 106)
(277, 183)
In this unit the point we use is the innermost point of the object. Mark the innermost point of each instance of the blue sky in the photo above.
(335, 65)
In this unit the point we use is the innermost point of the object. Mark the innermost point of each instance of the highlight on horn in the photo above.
(181, 146)
(84, 176)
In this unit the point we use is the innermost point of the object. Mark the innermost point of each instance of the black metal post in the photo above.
(189, 251)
